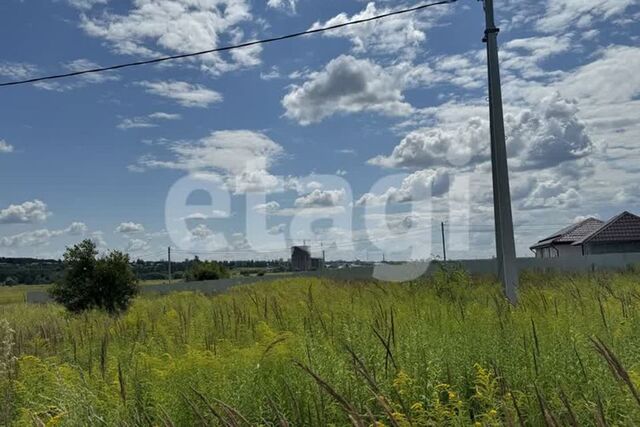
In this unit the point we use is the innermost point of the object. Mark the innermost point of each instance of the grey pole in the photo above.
(169, 263)
(505, 244)
(444, 243)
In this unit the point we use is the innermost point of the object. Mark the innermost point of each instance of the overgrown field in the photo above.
(447, 351)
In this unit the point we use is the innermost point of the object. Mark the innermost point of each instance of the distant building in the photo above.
(301, 259)
(592, 236)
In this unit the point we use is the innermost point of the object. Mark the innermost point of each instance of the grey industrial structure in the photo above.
(301, 259)
(621, 234)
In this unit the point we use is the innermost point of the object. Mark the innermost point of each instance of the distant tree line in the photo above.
(32, 271)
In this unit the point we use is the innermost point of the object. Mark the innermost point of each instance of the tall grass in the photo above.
(302, 351)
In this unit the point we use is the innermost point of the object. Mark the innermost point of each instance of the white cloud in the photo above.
(155, 27)
(25, 213)
(541, 138)
(561, 14)
(527, 55)
(550, 193)
(392, 35)
(129, 228)
(17, 70)
(5, 147)
(430, 147)
(243, 158)
(287, 5)
(420, 185)
(164, 116)
(267, 208)
(77, 229)
(86, 4)
(137, 245)
(321, 199)
(148, 121)
(548, 137)
(97, 237)
(186, 94)
(215, 213)
(40, 237)
(347, 85)
(81, 80)
(277, 229)
(612, 78)
(272, 74)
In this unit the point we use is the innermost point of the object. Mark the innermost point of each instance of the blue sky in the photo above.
(312, 125)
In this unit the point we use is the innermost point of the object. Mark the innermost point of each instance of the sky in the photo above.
(359, 142)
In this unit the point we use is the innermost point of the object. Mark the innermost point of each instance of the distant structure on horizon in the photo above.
(301, 259)
(592, 236)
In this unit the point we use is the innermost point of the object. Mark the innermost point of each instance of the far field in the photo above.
(302, 351)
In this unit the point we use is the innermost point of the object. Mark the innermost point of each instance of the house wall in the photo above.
(611, 248)
(562, 250)
(569, 250)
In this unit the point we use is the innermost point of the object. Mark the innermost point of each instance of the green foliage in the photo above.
(90, 282)
(302, 351)
(10, 281)
(206, 270)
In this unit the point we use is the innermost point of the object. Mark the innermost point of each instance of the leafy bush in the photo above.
(89, 282)
(206, 270)
(10, 281)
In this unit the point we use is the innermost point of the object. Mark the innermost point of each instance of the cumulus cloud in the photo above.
(242, 157)
(5, 147)
(549, 193)
(321, 199)
(430, 147)
(77, 229)
(541, 138)
(185, 94)
(420, 185)
(129, 228)
(287, 5)
(346, 85)
(389, 36)
(267, 208)
(155, 27)
(25, 213)
(277, 229)
(137, 245)
(549, 137)
(40, 237)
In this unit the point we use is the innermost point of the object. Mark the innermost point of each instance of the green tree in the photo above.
(10, 281)
(90, 281)
(206, 270)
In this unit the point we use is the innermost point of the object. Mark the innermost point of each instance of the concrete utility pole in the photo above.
(169, 261)
(444, 243)
(505, 245)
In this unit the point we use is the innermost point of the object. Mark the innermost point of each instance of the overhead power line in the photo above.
(226, 48)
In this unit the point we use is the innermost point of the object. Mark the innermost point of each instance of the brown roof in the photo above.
(571, 233)
(622, 228)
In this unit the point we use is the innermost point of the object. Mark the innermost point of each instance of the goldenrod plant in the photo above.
(445, 351)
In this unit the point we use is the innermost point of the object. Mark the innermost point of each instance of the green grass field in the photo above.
(447, 351)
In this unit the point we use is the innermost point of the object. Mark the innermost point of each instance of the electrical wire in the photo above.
(226, 48)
